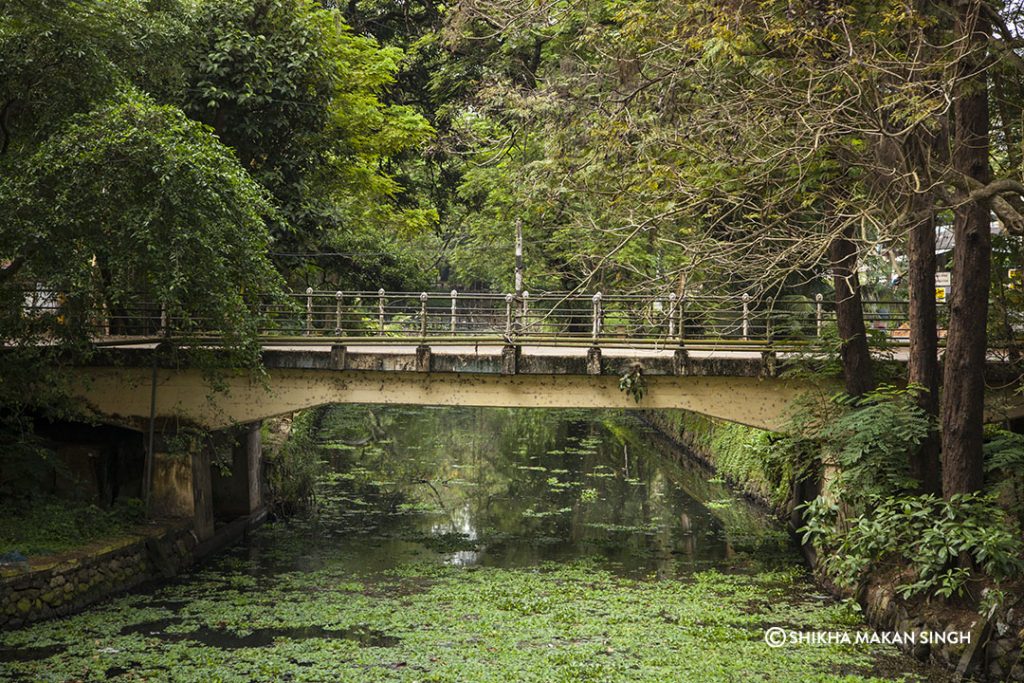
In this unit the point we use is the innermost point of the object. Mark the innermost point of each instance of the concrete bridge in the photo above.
(720, 356)
(717, 356)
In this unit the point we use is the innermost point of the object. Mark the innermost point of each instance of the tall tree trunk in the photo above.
(924, 360)
(963, 396)
(853, 350)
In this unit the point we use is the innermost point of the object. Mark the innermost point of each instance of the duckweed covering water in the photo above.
(478, 545)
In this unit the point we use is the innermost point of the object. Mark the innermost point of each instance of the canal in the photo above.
(480, 545)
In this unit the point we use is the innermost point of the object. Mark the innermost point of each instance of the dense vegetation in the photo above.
(198, 157)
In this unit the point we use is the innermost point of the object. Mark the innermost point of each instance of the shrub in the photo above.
(927, 532)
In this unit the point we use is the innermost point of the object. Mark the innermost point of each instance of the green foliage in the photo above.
(870, 517)
(754, 459)
(870, 441)
(295, 94)
(292, 470)
(200, 251)
(190, 141)
(50, 525)
(1004, 468)
(633, 383)
(929, 533)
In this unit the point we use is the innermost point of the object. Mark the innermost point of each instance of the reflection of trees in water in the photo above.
(519, 474)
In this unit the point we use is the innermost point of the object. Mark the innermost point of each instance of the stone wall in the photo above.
(70, 582)
(994, 650)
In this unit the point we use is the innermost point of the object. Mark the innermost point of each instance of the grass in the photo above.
(48, 525)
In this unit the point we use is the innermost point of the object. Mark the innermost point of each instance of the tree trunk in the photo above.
(924, 360)
(853, 350)
(963, 396)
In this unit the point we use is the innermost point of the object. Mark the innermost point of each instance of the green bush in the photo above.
(871, 442)
(752, 458)
(928, 533)
(871, 516)
(1004, 468)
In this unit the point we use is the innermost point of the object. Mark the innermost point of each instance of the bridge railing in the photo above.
(551, 317)
(663, 320)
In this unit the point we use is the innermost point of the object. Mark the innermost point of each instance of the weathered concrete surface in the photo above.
(122, 394)
(183, 488)
(741, 386)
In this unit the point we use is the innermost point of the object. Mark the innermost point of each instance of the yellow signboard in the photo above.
(940, 294)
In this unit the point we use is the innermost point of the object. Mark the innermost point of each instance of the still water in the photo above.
(479, 545)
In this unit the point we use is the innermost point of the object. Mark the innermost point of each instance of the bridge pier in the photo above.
(182, 485)
(238, 492)
(187, 485)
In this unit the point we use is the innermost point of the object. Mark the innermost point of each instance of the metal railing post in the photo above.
(309, 311)
(746, 316)
(672, 315)
(524, 324)
(423, 315)
(682, 318)
(508, 314)
(817, 313)
(455, 295)
(596, 329)
(337, 313)
(380, 311)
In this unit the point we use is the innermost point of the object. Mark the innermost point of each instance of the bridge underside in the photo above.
(737, 387)
(123, 394)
